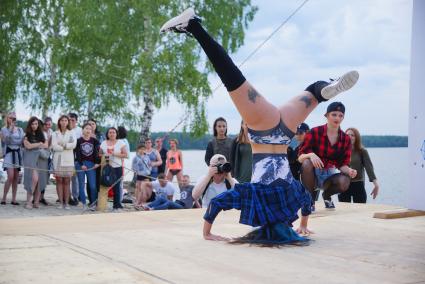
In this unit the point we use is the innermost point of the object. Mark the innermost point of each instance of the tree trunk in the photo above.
(48, 98)
(147, 117)
(90, 108)
(147, 98)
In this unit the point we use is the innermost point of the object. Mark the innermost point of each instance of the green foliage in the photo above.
(106, 59)
(10, 15)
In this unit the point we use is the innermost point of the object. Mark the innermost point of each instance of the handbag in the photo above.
(44, 154)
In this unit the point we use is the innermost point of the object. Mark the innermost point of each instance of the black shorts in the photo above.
(142, 177)
(174, 172)
(152, 198)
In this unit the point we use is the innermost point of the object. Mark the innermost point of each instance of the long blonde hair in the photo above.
(6, 123)
(243, 135)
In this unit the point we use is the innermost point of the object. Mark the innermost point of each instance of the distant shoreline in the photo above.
(188, 142)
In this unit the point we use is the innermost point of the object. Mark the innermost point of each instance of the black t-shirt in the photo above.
(35, 138)
(163, 154)
(87, 150)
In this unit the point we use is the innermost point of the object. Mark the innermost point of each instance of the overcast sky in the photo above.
(324, 39)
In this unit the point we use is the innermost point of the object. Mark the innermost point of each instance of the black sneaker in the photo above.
(329, 205)
(179, 23)
(43, 201)
(73, 202)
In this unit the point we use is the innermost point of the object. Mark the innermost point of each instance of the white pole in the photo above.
(416, 184)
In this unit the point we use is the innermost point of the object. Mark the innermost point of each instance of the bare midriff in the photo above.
(268, 148)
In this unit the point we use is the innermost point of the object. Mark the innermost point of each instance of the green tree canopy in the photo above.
(107, 60)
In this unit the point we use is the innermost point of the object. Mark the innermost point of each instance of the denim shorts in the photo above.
(323, 174)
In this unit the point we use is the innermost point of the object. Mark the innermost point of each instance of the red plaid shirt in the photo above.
(332, 156)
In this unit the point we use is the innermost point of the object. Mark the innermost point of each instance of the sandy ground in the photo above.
(349, 246)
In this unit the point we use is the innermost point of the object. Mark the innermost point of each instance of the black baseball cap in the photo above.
(302, 128)
(336, 106)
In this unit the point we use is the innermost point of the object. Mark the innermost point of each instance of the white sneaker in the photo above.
(180, 22)
(342, 84)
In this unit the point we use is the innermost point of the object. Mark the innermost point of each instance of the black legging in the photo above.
(356, 191)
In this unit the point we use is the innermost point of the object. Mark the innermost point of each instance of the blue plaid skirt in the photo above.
(262, 204)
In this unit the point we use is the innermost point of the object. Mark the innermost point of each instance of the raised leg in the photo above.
(255, 110)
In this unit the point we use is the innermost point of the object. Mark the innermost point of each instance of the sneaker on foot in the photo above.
(73, 202)
(179, 23)
(329, 205)
(342, 84)
(67, 207)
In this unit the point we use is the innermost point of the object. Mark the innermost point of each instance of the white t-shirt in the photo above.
(212, 191)
(115, 162)
(165, 191)
(77, 131)
(127, 145)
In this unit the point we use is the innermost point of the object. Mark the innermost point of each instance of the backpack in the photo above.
(228, 186)
(108, 176)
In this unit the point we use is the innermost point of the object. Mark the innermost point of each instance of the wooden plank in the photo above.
(401, 213)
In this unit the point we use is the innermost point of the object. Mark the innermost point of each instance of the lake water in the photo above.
(390, 168)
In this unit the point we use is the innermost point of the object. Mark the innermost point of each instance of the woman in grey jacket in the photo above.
(11, 137)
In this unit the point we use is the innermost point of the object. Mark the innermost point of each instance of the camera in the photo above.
(224, 168)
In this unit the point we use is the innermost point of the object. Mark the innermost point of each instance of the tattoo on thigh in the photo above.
(252, 95)
(307, 101)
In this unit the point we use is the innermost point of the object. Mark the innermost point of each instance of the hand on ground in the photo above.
(211, 237)
(304, 231)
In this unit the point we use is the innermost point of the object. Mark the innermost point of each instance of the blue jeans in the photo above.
(324, 174)
(154, 174)
(91, 181)
(161, 203)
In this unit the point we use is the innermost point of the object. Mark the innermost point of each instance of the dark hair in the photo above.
(140, 146)
(215, 124)
(97, 132)
(161, 176)
(148, 139)
(60, 118)
(38, 132)
(47, 119)
(122, 132)
(358, 139)
(86, 124)
(107, 131)
(73, 115)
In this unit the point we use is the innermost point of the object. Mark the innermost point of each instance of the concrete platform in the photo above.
(167, 247)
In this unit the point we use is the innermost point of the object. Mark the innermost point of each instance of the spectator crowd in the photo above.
(83, 160)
